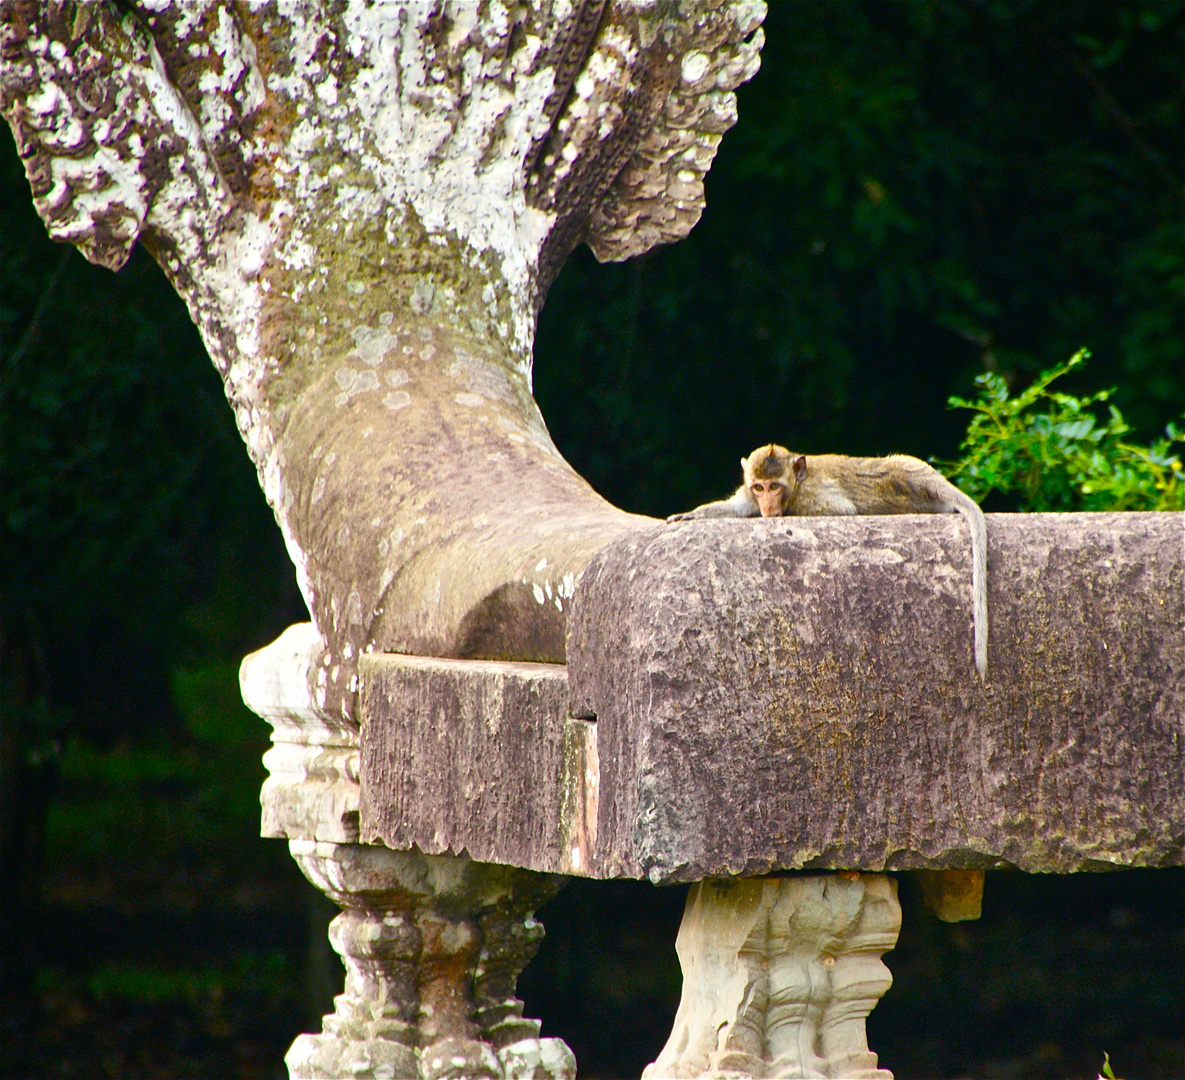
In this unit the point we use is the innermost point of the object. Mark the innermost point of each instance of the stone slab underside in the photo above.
(800, 694)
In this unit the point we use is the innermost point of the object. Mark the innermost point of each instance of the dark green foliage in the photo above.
(917, 193)
(1053, 451)
(139, 564)
(129, 512)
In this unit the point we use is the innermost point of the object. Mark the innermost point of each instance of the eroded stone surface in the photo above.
(800, 693)
(433, 947)
(312, 790)
(475, 756)
(779, 976)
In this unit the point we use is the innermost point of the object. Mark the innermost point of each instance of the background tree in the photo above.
(915, 193)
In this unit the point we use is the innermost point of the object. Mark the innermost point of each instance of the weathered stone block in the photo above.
(800, 693)
(474, 756)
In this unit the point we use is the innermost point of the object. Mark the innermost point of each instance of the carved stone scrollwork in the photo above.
(312, 791)
(433, 946)
(779, 976)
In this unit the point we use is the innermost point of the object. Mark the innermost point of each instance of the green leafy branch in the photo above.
(1055, 451)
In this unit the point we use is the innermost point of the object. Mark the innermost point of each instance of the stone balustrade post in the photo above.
(432, 944)
(779, 974)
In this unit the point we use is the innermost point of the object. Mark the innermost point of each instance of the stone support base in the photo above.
(779, 976)
(433, 947)
(433, 944)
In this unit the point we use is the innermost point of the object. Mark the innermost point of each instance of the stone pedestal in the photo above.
(432, 944)
(779, 976)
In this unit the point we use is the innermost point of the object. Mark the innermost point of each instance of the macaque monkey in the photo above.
(778, 483)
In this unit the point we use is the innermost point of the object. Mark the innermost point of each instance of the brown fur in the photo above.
(779, 483)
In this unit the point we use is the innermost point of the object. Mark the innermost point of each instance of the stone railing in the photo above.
(779, 711)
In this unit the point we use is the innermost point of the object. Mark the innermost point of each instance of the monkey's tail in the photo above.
(975, 519)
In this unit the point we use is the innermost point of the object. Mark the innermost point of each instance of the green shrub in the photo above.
(1054, 451)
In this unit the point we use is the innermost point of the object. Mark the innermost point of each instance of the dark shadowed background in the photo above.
(916, 192)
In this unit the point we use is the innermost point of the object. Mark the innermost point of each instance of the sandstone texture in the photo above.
(800, 693)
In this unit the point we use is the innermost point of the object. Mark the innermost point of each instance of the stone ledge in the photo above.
(800, 694)
(472, 756)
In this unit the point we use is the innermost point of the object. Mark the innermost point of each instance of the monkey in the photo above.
(778, 483)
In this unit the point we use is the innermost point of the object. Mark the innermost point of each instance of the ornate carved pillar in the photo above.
(779, 975)
(432, 944)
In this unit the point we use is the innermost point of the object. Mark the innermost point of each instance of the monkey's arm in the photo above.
(740, 505)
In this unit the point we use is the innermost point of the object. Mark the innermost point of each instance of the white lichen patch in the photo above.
(371, 345)
(353, 383)
(694, 66)
(445, 130)
(482, 378)
(422, 294)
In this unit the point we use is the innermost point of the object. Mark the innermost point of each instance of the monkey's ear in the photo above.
(743, 460)
(799, 467)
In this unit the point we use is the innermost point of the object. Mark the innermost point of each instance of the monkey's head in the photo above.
(772, 474)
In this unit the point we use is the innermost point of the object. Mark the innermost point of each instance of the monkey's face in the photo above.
(770, 496)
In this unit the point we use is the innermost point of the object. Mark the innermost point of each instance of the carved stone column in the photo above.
(432, 944)
(779, 976)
